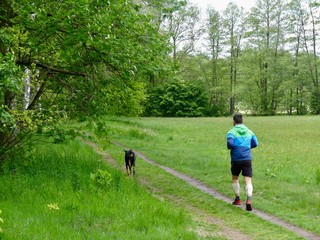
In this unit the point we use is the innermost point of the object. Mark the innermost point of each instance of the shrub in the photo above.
(177, 99)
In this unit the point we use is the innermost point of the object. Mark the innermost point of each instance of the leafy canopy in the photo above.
(72, 58)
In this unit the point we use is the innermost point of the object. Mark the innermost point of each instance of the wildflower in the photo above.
(53, 206)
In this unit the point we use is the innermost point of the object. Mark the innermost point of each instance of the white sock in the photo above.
(249, 190)
(236, 188)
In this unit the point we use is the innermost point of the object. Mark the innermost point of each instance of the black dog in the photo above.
(130, 159)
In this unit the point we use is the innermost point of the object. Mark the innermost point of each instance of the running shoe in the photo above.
(248, 205)
(237, 202)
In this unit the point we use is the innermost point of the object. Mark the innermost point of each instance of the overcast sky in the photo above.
(220, 5)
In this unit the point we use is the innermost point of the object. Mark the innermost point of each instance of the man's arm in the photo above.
(230, 143)
(254, 141)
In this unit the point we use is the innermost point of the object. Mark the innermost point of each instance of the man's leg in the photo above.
(249, 187)
(236, 189)
(249, 190)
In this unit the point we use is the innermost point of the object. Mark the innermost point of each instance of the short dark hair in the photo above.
(237, 118)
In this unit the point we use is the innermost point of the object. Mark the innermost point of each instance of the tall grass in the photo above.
(68, 192)
(286, 163)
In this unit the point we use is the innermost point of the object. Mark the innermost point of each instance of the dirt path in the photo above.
(204, 188)
(199, 185)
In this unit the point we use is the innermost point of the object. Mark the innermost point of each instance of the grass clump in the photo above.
(68, 192)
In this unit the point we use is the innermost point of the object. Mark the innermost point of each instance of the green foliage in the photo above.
(106, 42)
(126, 100)
(100, 180)
(60, 134)
(20, 129)
(6, 120)
(10, 75)
(199, 68)
(177, 99)
(77, 57)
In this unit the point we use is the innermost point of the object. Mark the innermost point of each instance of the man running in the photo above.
(240, 140)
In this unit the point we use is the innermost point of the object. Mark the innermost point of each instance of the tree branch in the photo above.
(52, 69)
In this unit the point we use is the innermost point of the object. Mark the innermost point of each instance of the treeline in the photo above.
(264, 61)
(77, 59)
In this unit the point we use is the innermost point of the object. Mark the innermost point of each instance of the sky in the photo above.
(220, 5)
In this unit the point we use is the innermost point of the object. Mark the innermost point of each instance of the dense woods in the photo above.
(65, 59)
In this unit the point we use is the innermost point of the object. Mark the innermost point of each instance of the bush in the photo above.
(177, 99)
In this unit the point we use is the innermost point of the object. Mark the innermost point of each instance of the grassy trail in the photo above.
(210, 226)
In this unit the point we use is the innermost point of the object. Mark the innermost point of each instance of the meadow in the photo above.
(68, 191)
(286, 163)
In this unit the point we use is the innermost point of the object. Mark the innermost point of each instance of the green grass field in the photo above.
(286, 163)
(68, 191)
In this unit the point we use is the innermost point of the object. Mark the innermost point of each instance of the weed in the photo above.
(101, 180)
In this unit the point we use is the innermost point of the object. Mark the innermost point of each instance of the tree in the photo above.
(311, 41)
(81, 57)
(266, 37)
(295, 97)
(233, 23)
(180, 23)
(216, 82)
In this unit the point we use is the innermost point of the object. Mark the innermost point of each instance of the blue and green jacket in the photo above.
(240, 140)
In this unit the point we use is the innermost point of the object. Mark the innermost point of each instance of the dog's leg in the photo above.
(127, 168)
(130, 167)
